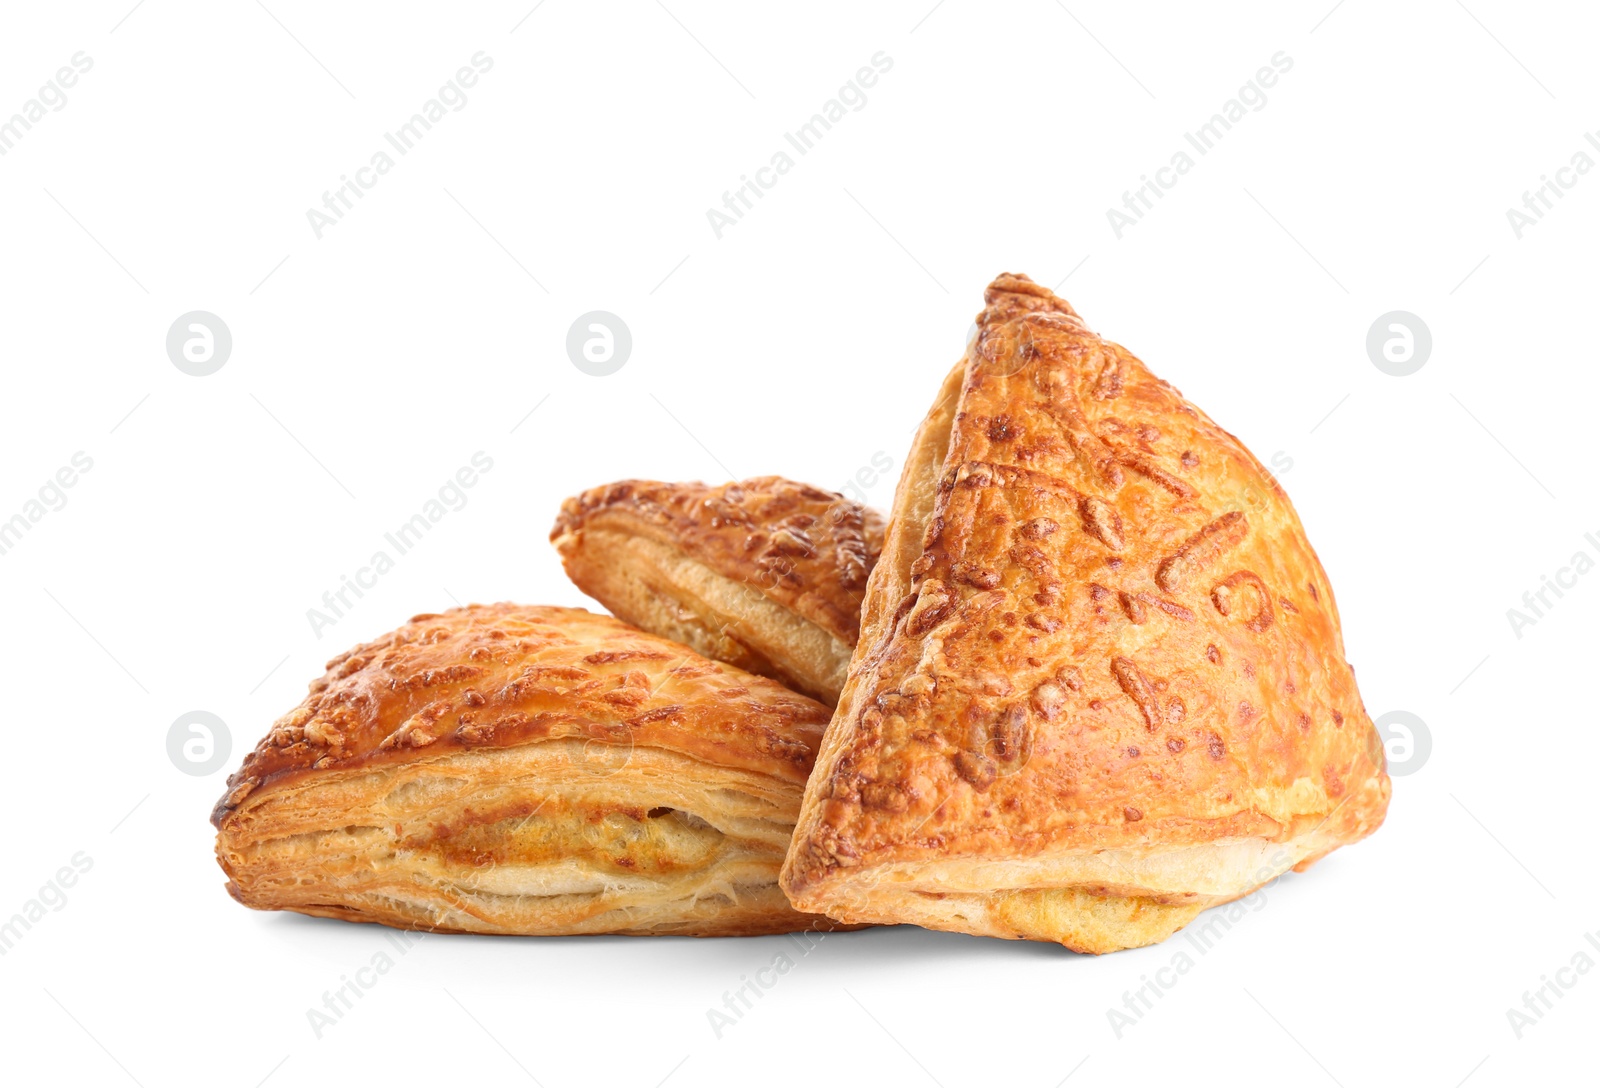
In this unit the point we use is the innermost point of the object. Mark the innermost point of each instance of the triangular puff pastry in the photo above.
(1100, 684)
(766, 574)
(513, 769)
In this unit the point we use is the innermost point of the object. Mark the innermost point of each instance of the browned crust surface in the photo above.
(1097, 626)
(526, 770)
(502, 675)
(766, 574)
(806, 549)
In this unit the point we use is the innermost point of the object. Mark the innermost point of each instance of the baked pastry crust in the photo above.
(766, 574)
(1100, 684)
(515, 769)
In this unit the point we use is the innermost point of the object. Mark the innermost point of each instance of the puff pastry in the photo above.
(530, 770)
(1100, 684)
(766, 574)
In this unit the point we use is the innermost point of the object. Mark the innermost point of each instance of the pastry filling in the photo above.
(617, 841)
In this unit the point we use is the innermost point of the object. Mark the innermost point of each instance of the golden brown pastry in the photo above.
(515, 769)
(1100, 684)
(765, 574)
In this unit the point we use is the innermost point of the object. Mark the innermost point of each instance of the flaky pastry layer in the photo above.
(765, 574)
(522, 770)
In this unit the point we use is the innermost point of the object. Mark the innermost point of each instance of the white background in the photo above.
(369, 365)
